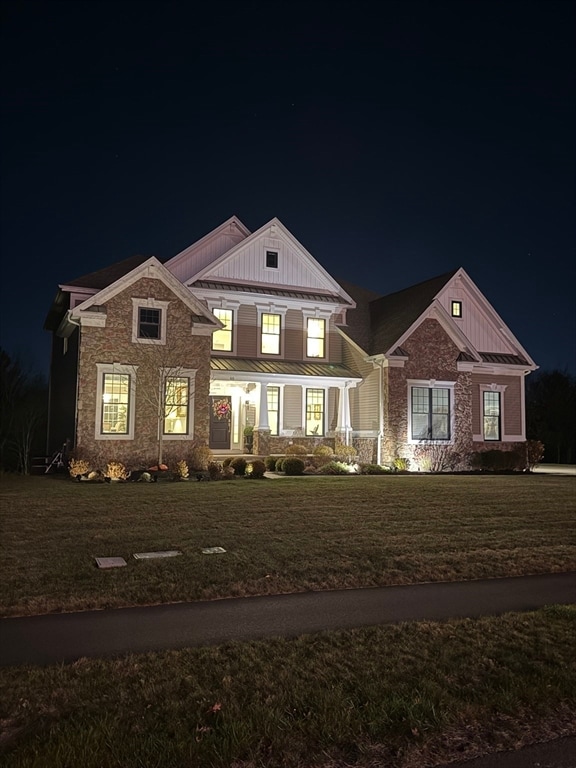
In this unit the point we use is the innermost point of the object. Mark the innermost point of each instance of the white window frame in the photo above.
(501, 388)
(185, 373)
(280, 391)
(137, 305)
(125, 370)
(317, 315)
(431, 384)
(230, 307)
(322, 432)
(271, 309)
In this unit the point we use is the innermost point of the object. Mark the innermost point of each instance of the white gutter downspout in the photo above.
(380, 412)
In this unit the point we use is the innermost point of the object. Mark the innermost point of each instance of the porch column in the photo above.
(263, 410)
(343, 425)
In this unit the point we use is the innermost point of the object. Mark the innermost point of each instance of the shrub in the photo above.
(334, 468)
(256, 469)
(280, 464)
(322, 455)
(401, 464)
(346, 453)
(78, 467)
(270, 463)
(182, 470)
(496, 460)
(116, 470)
(373, 469)
(534, 453)
(296, 450)
(227, 461)
(227, 473)
(199, 457)
(293, 466)
(214, 470)
(238, 465)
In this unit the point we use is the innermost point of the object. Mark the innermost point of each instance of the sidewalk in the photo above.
(63, 638)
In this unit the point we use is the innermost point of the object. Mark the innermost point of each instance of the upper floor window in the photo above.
(272, 259)
(149, 323)
(492, 414)
(315, 337)
(222, 339)
(430, 413)
(176, 405)
(270, 334)
(315, 412)
(149, 318)
(456, 308)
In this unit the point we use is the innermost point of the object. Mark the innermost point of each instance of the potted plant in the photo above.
(248, 438)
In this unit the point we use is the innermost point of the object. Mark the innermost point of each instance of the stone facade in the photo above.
(113, 344)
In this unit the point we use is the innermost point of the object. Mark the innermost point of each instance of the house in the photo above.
(248, 329)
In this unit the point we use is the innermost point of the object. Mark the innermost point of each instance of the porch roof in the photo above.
(281, 367)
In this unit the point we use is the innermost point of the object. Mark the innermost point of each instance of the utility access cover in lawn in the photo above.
(152, 555)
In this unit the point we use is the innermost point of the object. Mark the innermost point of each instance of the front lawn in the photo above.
(407, 696)
(284, 535)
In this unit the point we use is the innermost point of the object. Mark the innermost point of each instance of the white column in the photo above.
(263, 409)
(343, 426)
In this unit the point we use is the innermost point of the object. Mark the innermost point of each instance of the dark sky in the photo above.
(395, 140)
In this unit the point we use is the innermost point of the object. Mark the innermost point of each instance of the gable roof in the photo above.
(107, 275)
(154, 269)
(378, 322)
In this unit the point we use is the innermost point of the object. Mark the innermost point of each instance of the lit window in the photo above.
(456, 308)
(270, 334)
(274, 409)
(430, 413)
(115, 403)
(492, 415)
(315, 337)
(176, 403)
(272, 259)
(314, 412)
(222, 339)
(149, 322)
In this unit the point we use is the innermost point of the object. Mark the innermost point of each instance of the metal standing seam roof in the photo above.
(281, 367)
(500, 357)
(268, 290)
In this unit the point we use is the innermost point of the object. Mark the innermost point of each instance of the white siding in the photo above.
(196, 258)
(475, 323)
(249, 265)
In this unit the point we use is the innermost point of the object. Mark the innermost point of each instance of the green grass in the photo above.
(406, 696)
(284, 535)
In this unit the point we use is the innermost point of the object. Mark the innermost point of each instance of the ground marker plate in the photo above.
(213, 550)
(153, 555)
(110, 562)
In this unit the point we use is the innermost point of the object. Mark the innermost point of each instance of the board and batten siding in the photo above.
(248, 265)
(193, 260)
(512, 402)
(475, 322)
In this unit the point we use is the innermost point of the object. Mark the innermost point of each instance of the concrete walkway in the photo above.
(63, 638)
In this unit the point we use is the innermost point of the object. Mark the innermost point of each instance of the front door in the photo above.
(220, 418)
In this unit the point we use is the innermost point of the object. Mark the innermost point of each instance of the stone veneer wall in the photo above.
(114, 344)
(266, 444)
(432, 355)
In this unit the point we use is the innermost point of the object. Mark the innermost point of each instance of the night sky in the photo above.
(395, 140)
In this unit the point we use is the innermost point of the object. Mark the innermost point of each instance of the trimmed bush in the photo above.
(238, 465)
(322, 455)
(227, 461)
(495, 460)
(270, 464)
(256, 469)
(199, 456)
(296, 450)
(334, 468)
(293, 466)
(346, 453)
(280, 464)
(215, 470)
(373, 469)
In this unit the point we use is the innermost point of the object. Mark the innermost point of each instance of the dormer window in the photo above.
(456, 308)
(272, 259)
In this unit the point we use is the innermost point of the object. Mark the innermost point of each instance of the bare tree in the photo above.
(165, 385)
